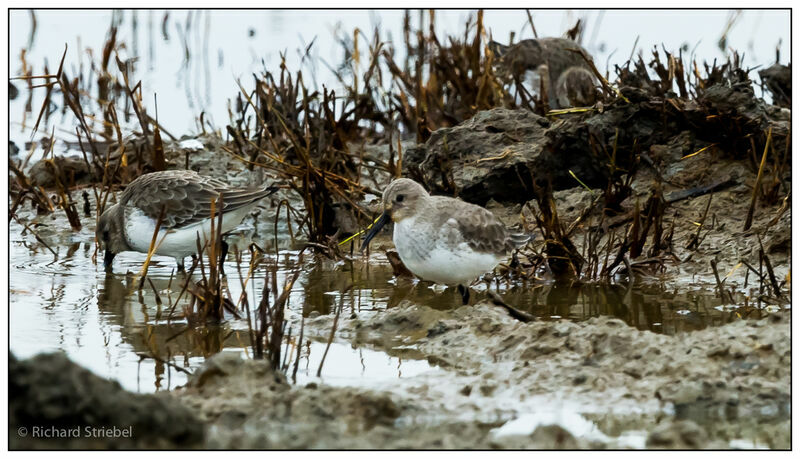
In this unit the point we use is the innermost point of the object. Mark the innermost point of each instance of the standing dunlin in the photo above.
(185, 198)
(559, 65)
(441, 239)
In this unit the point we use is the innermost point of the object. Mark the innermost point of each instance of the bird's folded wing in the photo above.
(482, 231)
(188, 201)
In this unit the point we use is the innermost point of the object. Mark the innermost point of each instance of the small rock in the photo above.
(677, 435)
(50, 390)
(553, 437)
(487, 389)
(579, 379)
(437, 329)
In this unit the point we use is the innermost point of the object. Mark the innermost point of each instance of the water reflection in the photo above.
(141, 337)
(644, 306)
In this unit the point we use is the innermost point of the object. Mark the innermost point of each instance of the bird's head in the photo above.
(401, 199)
(110, 235)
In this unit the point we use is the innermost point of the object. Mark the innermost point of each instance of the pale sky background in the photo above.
(223, 47)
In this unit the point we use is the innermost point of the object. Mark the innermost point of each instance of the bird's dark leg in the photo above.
(464, 291)
(194, 261)
(223, 255)
(181, 267)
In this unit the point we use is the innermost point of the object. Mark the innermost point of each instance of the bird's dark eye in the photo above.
(399, 198)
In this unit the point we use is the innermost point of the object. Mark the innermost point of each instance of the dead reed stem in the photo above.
(756, 186)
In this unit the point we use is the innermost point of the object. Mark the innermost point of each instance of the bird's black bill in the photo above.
(108, 258)
(375, 228)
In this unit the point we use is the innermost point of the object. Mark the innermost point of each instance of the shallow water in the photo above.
(105, 324)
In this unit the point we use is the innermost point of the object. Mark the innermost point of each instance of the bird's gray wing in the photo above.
(186, 196)
(483, 231)
(476, 226)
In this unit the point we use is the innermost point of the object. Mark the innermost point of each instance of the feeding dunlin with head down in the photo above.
(185, 197)
(441, 239)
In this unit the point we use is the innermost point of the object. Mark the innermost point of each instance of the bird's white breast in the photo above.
(176, 242)
(433, 255)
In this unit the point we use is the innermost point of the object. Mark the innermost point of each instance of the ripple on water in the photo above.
(104, 322)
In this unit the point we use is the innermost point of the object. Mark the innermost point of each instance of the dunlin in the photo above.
(185, 197)
(441, 239)
(557, 63)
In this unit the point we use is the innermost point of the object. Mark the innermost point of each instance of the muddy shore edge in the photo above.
(498, 383)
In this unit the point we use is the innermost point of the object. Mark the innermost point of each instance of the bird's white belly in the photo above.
(443, 264)
(180, 242)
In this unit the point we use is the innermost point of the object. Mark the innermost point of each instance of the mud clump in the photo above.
(714, 388)
(249, 406)
(495, 155)
(498, 154)
(71, 169)
(49, 391)
(399, 325)
(677, 435)
(739, 371)
(553, 437)
(778, 79)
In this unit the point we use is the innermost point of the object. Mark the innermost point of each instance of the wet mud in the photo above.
(66, 402)
(499, 383)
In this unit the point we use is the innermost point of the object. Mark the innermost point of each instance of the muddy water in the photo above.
(106, 324)
(390, 339)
